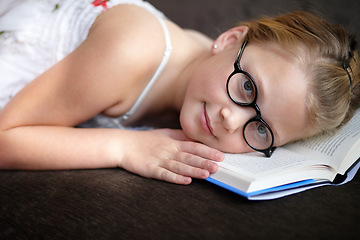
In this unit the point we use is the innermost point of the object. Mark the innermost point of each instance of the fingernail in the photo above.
(204, 173)
(187, 180)
(219, 156)
(212, 167)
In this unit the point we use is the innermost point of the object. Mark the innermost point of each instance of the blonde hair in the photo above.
(321, 49)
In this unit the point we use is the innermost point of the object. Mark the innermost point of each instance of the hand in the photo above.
(168, 155)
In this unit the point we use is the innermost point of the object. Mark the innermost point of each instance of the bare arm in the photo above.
(46, 147)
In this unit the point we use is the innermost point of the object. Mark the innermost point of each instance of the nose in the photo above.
(234, 119)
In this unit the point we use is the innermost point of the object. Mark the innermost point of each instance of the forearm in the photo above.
(46, 147)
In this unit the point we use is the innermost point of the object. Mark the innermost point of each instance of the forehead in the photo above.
(282, 91)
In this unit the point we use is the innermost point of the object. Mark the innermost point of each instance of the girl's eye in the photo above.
(258, 135)
(262, 131)
(241, 88)
(247, 86)
(247, 90)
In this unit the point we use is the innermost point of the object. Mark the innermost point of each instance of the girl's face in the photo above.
(209, 116)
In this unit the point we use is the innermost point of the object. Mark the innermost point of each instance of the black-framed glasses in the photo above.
(242, 90)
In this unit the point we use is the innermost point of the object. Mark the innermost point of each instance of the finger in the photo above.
(202, 150)
(198, 162)
(164, 174)
(186, 170)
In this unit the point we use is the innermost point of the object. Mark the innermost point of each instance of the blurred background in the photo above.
(215, 16)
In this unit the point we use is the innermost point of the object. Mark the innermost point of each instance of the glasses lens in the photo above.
(241, 88)
(258, 135)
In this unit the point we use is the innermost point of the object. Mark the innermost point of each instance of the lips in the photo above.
(205, 122)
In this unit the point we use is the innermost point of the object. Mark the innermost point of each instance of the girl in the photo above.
(106, 65)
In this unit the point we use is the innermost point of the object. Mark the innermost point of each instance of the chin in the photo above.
(190, 133)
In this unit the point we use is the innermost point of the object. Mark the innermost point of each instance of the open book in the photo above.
(331, 159)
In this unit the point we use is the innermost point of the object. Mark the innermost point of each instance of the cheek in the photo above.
(205, 84)
(211, 77)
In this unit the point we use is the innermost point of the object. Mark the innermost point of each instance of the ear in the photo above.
(229, 38)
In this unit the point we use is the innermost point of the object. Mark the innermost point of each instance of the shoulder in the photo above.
(128, 30)
(126, 23)
(130, 43)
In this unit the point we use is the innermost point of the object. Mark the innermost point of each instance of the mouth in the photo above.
(205, 122)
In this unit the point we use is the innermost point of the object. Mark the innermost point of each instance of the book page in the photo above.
(331, 147)
(254, 165)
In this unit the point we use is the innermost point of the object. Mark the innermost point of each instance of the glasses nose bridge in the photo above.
(257, 110)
